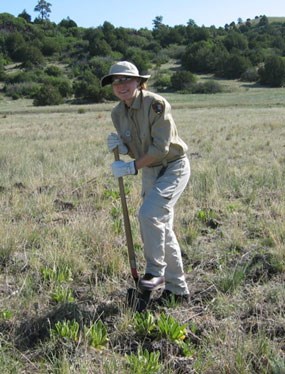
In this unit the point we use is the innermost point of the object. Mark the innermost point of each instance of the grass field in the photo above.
(63, 258)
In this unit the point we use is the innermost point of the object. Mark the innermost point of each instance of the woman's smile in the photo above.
(125, 88)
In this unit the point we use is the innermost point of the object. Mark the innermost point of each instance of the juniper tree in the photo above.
(43, 7)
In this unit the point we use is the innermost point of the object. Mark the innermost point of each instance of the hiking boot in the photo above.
(151, 283)
(168, 297)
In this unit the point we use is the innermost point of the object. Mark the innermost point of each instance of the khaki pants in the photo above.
(161, 188)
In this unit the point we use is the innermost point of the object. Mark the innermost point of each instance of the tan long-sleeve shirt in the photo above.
(147, 127)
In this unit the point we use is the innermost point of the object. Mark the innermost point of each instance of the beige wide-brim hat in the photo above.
(123, 68)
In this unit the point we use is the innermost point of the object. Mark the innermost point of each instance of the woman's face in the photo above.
(125, 88)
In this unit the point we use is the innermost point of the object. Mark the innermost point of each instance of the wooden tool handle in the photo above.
(130, 245)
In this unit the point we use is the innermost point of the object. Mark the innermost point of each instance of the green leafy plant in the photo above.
(117, 226)
(116, 212)
(144, 323)
(57, 274)
(207, 216)
(188, 349)
(96, 335)
(111, 193)
(68, 330)
(62, 294)
(171, 329)
(6, 314)
(144, 362)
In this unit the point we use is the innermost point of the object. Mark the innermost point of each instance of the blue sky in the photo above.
(140, 14)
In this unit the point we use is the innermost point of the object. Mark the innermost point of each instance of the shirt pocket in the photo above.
(127, 136)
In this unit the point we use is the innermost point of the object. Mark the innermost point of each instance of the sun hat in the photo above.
(123, 68)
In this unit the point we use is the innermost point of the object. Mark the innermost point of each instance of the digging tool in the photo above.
(130, 245)
(136, 298)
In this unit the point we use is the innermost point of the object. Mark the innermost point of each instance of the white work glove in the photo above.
(122, 168)
(114, 141)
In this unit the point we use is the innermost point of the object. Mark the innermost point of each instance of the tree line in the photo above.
(58, 62)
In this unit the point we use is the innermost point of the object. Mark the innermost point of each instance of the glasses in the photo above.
(121, 80)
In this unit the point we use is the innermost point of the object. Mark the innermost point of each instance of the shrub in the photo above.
(53, 71)
(174, 51)
(273, 72)
(62, 84)
(25, 76)
(204, 57)
(235, 65)
(2, 71)
(24, 89)
(162, 82)
(13, 42)
(250, 75)
(67, 23)
(50, 46)
(182, 80)
(48, 95)
(161, 57)
(209, 87)
(29, 56)
(87, 87)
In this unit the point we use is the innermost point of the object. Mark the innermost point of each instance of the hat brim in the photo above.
(107, 79)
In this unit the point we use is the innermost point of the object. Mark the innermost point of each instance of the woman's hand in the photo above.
(114, 141)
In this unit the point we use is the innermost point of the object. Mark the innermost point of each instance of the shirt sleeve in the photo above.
(162, 125)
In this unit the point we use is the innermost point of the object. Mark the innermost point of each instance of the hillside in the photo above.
(278, 20)
(63, 63)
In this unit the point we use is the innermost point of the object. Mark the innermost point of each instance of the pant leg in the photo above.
(161, 249)
(174, 272)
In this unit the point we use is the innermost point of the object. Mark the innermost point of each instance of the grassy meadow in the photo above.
(63, 261)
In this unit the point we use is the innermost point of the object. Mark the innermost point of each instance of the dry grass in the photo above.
(60, 210)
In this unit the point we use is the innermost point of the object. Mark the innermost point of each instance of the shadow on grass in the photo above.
(36, 330)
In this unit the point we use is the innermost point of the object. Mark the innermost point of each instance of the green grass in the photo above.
(63, 253)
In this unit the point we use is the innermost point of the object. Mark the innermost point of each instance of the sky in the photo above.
(140, 14)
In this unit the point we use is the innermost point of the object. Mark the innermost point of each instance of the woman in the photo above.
(147, 132)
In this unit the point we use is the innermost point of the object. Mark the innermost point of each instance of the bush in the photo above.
(161, 58)
(50, 46)
(13, 42)
(48, 95)
(273, 72)
(87, 87)
(182, 80)
(250, 75)
(209, 87)
(62, 84)
(53, 71)
(99, 66)
(25, 89)
(162, 82)
(2, 70)
(29, 56)
(204, 57)
(25, 76)
(235, 65)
